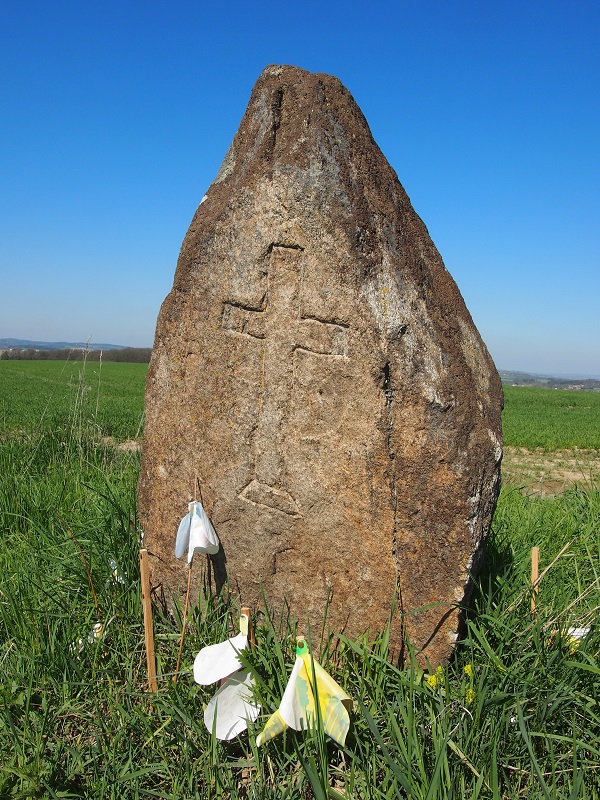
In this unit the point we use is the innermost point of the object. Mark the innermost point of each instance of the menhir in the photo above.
(317, 377)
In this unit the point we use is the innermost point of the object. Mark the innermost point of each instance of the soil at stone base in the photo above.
(549, 473)
(129, 445)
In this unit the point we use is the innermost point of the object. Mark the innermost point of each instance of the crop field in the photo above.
(551, 419)
(515, 714)
(551, 439)
(42, 395)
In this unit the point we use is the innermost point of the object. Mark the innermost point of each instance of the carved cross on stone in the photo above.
(284, 328)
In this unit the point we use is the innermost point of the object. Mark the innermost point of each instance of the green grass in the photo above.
(553, 419)
(522, 721)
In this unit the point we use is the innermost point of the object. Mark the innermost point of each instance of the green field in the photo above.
(46, 395)
(514, 715)
(553, 419)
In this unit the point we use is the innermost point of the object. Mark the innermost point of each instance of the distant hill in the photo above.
(28, 350)
(548, 382)
(26, 344)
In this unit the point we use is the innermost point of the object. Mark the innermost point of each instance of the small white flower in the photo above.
(116, 574)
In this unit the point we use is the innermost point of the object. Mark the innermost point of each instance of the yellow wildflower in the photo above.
(470, 696)
(469, 669)
(436, 678)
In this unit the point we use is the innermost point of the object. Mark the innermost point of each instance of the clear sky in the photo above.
(116, 116)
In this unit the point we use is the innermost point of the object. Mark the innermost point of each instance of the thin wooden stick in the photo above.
(553, 562)
(197, 488)
(535, 571)
(246, 611)
(183, 624)
(148, 630)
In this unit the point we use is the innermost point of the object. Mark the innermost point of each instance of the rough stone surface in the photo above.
(316, 369)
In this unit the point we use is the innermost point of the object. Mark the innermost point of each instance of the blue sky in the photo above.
(116, 116)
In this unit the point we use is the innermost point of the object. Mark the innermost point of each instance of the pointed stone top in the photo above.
(289, 107)
(304, 131)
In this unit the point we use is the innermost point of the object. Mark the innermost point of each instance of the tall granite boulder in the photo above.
(317, 375)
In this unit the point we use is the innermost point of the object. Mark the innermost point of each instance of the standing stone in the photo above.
(317, 374)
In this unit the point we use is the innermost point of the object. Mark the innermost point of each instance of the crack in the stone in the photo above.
(388, 392)
(276, 111)
(286, 245)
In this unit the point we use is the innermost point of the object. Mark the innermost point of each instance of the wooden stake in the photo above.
(248, 613)
(535, 567)
(183, 624)
(148, 630)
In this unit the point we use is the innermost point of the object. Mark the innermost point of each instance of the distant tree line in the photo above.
(137, 355)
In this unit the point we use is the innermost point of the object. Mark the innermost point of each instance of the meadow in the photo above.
(515, 714)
